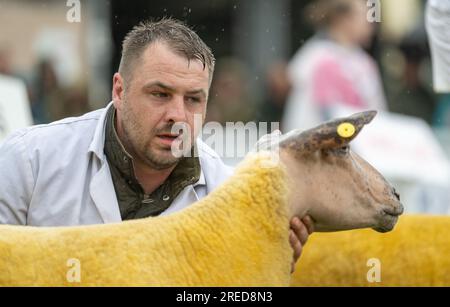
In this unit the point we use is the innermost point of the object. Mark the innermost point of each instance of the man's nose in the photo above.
(176, 110)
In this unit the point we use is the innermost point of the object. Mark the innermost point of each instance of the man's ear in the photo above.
(333, 134)
(118, 88)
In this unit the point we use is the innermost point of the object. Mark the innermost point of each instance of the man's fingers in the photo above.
(307, 220)
(300, 230)
(296, 245)
(292, 238)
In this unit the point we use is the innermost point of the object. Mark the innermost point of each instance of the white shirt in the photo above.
(443, 5)
(438, 28)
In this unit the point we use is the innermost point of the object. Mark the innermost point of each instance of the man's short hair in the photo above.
(178, 36)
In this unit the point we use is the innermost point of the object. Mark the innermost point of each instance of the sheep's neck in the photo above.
(298, 180)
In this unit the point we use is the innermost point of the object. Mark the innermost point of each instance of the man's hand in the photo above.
(300, 231)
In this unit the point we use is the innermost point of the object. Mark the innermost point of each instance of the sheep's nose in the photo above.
(396, 194)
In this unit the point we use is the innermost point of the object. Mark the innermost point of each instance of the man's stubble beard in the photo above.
(143, 150)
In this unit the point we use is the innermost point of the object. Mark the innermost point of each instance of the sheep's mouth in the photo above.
(383, 229)
(389, 218)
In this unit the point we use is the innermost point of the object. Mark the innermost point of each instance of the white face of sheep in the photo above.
(338, 188)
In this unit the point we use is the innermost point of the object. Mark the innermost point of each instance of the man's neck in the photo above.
(149, 178)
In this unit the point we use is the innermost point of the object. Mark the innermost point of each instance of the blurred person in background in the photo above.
(76, 98)
(231, 99)
(411, 96)
(438, 27)
(278, 87)
(47, 101)
(7, 70)
(4, 70)
(332, 69)
(5, 65)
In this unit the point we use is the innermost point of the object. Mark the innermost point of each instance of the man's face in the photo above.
(165, 88)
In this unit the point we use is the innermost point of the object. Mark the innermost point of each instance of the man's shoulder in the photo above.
(211, 162)
(62, 130)
(205, 150)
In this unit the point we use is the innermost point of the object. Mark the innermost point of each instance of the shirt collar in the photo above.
(98, 141)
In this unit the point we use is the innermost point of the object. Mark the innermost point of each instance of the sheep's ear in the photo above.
(333, 134)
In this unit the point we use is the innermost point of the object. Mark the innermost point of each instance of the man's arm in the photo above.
(16, 181)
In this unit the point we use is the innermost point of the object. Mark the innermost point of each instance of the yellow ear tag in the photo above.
(346, 130)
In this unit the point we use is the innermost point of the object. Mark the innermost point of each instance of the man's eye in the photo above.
(193, 99)
(160, 94)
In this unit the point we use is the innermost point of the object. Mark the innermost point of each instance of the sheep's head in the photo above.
(338, 188)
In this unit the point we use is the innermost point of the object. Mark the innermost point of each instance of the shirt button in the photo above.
(166, 197)
(125, 159)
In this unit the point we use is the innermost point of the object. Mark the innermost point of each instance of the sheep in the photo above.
(236, 236)
(416, 253)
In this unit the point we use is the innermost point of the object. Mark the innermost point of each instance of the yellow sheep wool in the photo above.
(416, 253)
(236, 236)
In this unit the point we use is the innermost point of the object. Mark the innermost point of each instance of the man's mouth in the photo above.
(168, 138)
(168, 135)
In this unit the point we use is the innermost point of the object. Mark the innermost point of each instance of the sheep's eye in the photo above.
(345, 149)
(342, 150)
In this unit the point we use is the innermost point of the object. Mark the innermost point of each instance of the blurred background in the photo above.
(292, 62)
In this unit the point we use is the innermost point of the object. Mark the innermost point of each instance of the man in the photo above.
(116, 163)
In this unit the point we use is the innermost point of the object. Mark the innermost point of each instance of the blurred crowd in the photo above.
(49, 99)
(332, 69)
(335, 67)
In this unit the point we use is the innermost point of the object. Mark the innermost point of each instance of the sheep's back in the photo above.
(415, 253)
